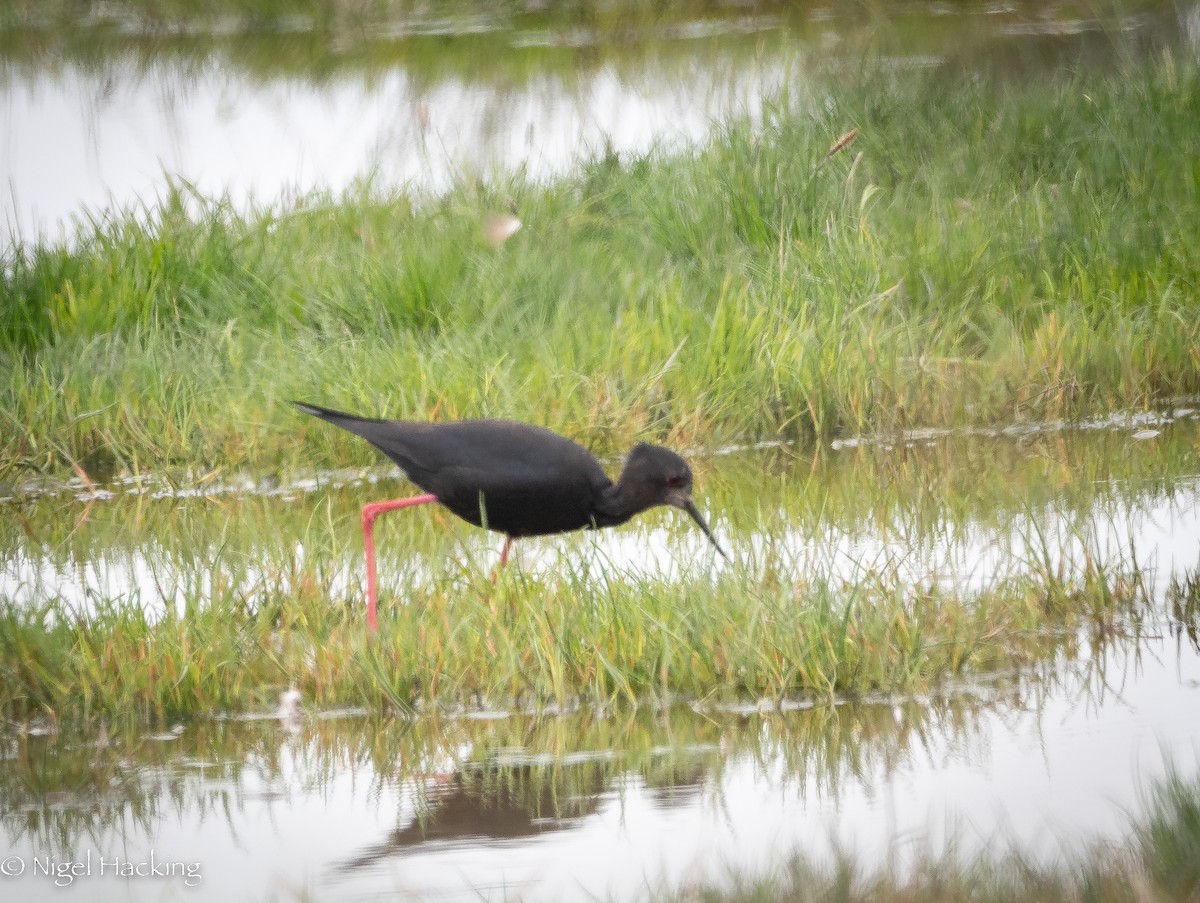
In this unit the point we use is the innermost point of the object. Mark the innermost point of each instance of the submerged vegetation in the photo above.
(985, 250)
(520, 780)
(520, 768)
(1159, 862)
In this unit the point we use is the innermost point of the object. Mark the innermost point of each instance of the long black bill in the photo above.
(690, 507)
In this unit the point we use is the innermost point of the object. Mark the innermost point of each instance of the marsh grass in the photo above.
(189, 604)
(576, 637)
(984, 251)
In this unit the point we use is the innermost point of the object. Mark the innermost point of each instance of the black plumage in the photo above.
(523, 480)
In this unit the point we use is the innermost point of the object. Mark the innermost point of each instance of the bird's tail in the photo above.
(360, 426)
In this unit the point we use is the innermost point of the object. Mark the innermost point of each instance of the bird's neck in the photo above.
(616, 505)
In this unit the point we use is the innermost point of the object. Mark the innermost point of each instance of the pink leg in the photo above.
(369, 513)
(508, 540)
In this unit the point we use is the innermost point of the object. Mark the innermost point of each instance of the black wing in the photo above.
(518, 479)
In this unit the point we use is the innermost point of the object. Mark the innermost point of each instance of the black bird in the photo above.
(518, 479)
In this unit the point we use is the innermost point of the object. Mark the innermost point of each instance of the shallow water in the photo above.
(962, 510)
(577, 807)
(100, 115)
(496, 805)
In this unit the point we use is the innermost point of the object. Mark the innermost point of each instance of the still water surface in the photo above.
(506, 805)
(1048, 497)
(580, 807)
(103, 117)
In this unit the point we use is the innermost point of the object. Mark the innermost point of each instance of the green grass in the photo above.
(536, 641)
(266, 590)
(983, 252)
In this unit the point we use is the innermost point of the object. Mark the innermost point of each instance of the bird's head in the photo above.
(657, 476)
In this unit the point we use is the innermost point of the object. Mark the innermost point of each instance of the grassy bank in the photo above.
(982, 252)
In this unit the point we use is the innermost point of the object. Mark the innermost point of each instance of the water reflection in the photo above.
(495, 801)
(339, 805)
(97, 116)
(600, 803)
(423, 116)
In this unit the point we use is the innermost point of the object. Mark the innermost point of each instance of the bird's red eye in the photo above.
(675, 481)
